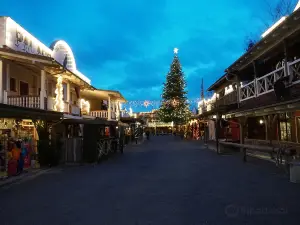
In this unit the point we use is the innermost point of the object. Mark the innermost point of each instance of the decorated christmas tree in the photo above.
(174, 107)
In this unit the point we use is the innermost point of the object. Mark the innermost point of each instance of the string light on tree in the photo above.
(175, 106)
(146, 103)
(59, 102)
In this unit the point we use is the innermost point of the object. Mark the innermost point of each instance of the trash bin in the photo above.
(295, 172)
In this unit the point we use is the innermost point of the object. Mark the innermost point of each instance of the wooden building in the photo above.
(257, 100)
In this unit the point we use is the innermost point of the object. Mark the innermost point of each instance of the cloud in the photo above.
(128, 45)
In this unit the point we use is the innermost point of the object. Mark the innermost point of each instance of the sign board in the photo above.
(18, 39)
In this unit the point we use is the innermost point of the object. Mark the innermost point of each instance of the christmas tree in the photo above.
(174, 107)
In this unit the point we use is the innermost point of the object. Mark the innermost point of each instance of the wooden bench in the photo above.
(259, 148)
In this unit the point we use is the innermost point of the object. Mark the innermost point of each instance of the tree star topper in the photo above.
(176, 50)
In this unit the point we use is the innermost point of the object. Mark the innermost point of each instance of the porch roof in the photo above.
(280, 107)
(91, 122)
(103, 94)
(40, 62)
(9, 111)
(281, 32)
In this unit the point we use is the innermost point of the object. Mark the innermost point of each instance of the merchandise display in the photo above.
(18, 146)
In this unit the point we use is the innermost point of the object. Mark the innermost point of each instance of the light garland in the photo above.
(59, 102)
(85, 106)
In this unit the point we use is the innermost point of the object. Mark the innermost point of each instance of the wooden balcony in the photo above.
(70, 109)
(102, 114)
(24, 101)
(228, 99)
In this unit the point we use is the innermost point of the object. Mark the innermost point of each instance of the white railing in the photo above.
(24, 101)
(248, 91)
(100, 113)
(294, 71)
(266, 83)
(113, 115)
(50, 103)
(75, 110)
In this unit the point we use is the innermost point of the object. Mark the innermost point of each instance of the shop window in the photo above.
(285, 131)
(24, 88)
(13, 84)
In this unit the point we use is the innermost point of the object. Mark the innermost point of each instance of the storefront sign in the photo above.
(18, 39)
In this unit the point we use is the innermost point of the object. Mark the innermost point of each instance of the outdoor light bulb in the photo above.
(261, 121)
(176, 50)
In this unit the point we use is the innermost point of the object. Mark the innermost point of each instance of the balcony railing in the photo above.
(265, 84)
(68, 108)
(24, 101)
(228, 99)
(102, 114)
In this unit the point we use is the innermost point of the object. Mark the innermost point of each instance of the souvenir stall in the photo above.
(17, 139)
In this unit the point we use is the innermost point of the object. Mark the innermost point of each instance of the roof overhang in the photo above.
(48, 64)
(285, 29)
(9, 111)
(280, 107)
(220, 82)
(103, 94)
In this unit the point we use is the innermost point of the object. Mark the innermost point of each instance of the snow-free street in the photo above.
(161, 182)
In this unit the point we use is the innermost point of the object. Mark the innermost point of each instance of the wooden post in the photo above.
(242, 123)
(217, 131)
(109, 109)
(286, 70)
(255, 76)
(1, 81)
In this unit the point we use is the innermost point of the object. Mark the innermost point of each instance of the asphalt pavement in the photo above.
(164, 181)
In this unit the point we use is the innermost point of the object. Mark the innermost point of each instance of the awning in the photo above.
(281, 107)
(37, 62)
(91, 122)
(9, 111)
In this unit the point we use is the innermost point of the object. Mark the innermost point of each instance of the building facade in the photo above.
(41, 86)
(258, 96)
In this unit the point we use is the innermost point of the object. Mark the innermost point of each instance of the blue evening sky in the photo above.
(127, 45)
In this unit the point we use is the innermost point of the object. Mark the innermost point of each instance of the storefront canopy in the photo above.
(9, 111)
(91, 122)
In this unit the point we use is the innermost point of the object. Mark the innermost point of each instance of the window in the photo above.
(13, 86)
(64, 91)
(49, 89)
(24, 88)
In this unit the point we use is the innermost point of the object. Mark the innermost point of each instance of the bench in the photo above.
(288, 151)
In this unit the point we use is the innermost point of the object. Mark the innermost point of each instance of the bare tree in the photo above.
(279, 9)
(274, 11)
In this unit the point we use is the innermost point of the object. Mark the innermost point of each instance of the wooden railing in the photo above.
(228, 99)
(24, 101)
(99, 113)
(102, 114)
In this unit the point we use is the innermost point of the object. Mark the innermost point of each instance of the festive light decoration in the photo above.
(85, 106)
(175, 106)
(146, 103)
(59, 102)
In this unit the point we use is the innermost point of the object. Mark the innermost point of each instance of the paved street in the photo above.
(161, 182)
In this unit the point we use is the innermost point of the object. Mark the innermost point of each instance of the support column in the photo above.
(286, 69)
(109, 109)
(43, 89)
(254, 63)
(68, 93)
(7, 85)
(242, 122)
(217, 131)
(1, 81)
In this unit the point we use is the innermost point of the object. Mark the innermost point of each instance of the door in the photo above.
(298, 128)
(24, 88)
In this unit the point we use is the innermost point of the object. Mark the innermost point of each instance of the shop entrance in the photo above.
(12, 133)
